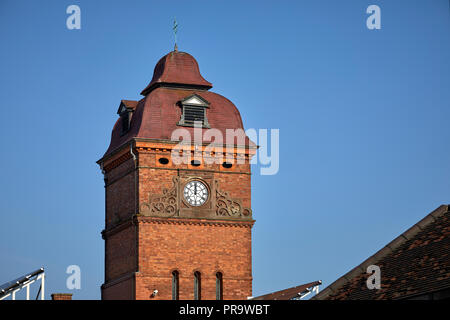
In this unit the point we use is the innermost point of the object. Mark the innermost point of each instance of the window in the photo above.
(175, 285)
(197, 286)
(219, 286)
(227, 165)
(194, 112)
(125, 122)
(125, 111)
(163, 160)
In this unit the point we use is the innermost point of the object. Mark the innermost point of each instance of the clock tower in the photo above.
(178, 192)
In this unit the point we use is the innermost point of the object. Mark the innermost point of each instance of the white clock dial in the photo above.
(195, 193)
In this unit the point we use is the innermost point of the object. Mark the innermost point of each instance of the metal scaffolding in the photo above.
(12, 287)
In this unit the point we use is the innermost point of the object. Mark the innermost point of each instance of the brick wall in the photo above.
(120, 289)
(61, 296)
(141, 252)
(120, 252)
(120, 193)
(187, 246)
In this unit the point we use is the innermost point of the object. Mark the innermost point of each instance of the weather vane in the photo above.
(175, 29)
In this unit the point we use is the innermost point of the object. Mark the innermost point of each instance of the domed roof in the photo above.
(157, 115)
(177, 69)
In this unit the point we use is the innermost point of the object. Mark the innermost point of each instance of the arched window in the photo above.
(175, 285)
(219, 286)
(197, 286)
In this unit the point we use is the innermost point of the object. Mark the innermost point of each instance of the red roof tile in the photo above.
(177, 68)
(415, 264)
(130, 103)
(288, 294)
(156, 115)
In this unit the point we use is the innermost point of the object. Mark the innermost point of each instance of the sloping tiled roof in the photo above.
(415, 263)
(130, 103)
(177, 68)
(156, 116)
(288, 294)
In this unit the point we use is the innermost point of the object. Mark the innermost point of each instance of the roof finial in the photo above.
(175, 29)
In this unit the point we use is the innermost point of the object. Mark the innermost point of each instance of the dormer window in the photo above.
(125, 112)
(194, 111)
(125, 122)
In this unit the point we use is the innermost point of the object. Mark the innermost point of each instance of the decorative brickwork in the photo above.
(150, 229)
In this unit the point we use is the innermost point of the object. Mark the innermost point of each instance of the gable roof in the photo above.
(415, 263)
(288, 294)
(129, 104)
(194, 99)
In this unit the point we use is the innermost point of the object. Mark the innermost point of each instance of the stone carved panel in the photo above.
(229, 207)
(171, 203)
(164, 205)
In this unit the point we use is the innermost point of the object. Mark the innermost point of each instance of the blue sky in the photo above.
(363, 118)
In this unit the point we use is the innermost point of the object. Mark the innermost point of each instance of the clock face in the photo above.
(196, 193)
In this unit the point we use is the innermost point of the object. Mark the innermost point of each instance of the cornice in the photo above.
(135, 220)
(194, 221)
(144, 144)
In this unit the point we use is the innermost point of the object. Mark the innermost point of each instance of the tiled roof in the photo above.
(415, 263)
(156, 116)
(177, 68)
(130, 103)
(288, 294)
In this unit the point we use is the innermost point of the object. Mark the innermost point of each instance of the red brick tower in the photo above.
(177, 230)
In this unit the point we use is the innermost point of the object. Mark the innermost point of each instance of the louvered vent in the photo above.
(193, 113)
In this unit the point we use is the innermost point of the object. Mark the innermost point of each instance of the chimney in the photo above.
(61, 296)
